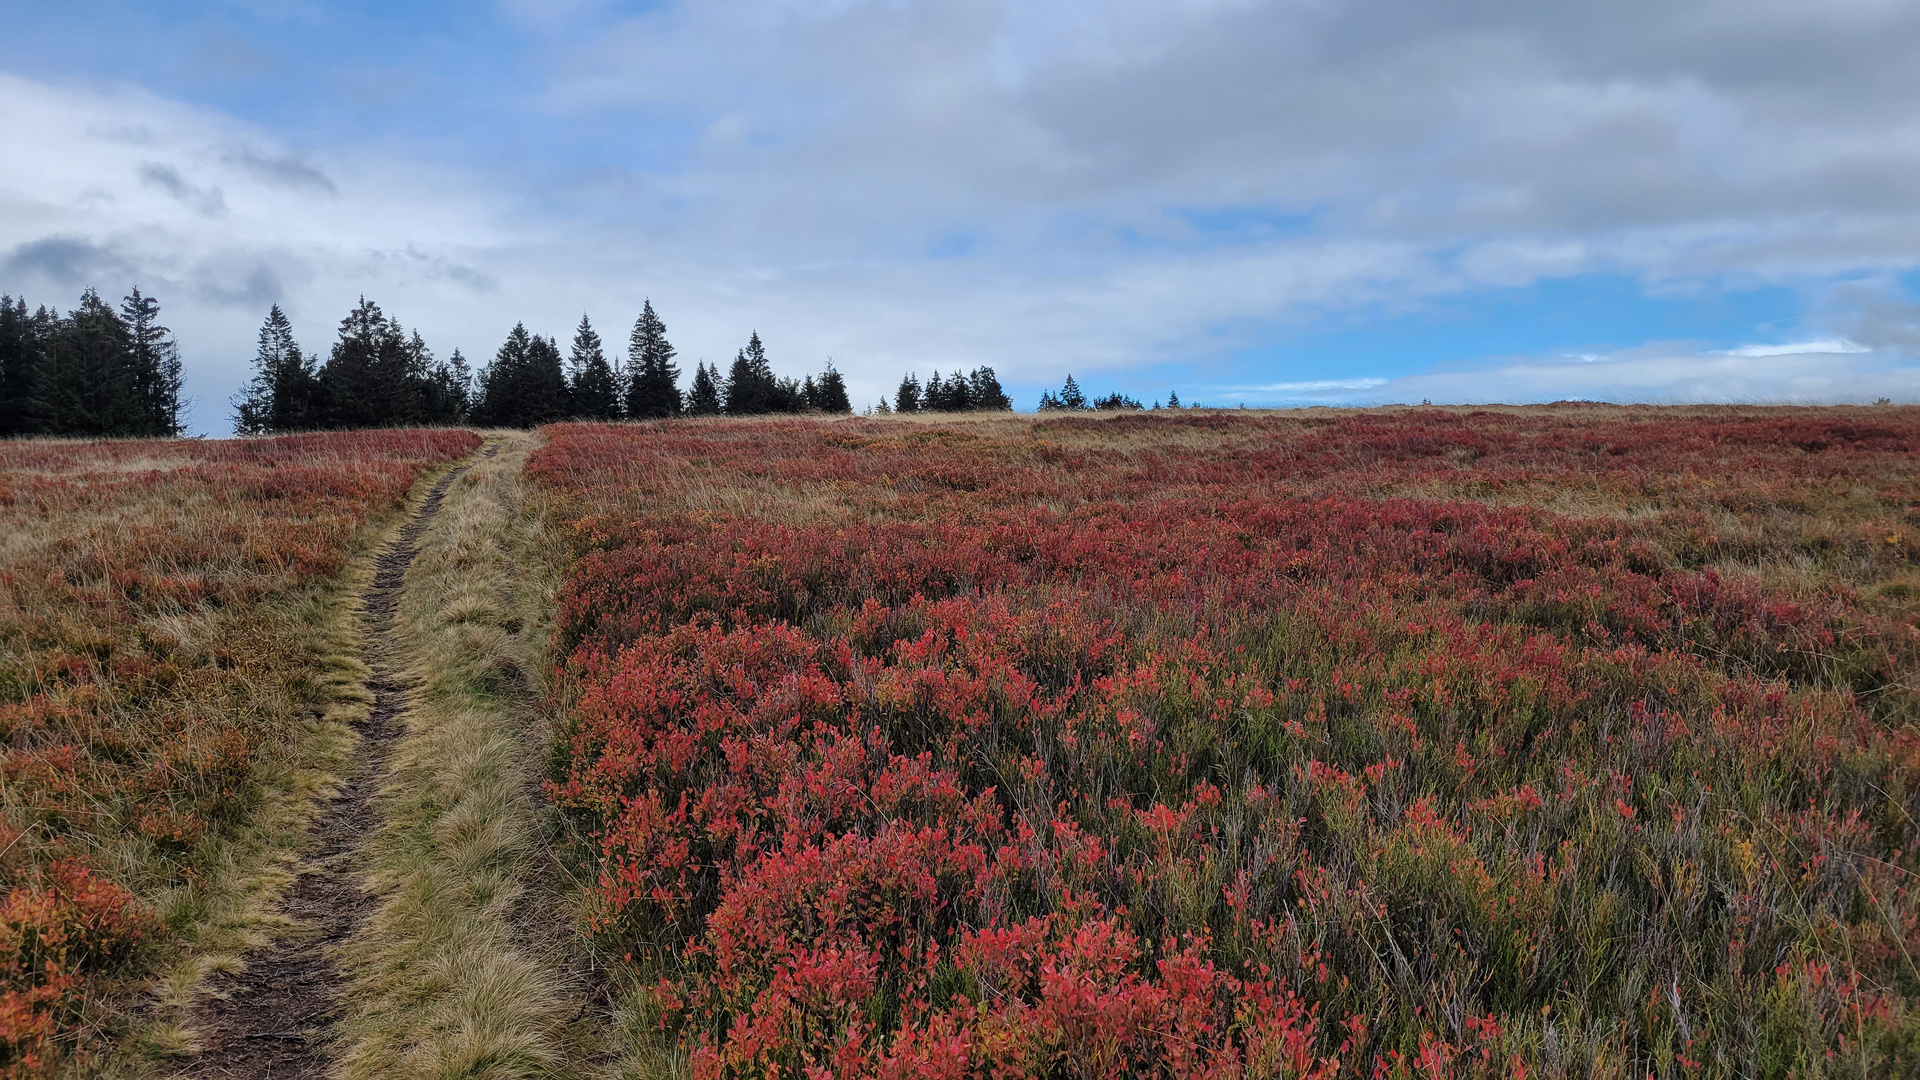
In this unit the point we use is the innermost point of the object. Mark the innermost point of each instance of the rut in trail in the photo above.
(273, 1019)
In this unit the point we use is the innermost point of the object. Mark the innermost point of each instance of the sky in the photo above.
(1289, 203)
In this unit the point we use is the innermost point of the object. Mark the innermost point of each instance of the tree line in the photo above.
(379, 375)
(95, 371)
(1072, 399)
(100, 371)
(976, 391)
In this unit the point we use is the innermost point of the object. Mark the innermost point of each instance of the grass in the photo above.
(175, 666)
(463, 969)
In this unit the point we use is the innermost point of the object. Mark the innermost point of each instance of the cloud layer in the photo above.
(1138, 186)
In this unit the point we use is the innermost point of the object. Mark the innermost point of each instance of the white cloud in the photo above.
(793, 167)
(1312, 386)
(1800, 348)
(1653, 373)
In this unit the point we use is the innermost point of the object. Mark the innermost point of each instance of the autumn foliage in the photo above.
(1415, 743)
(150, 655)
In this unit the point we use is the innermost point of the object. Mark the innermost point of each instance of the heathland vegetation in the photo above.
(171, 680)
(1563, 741)
(1418, 743)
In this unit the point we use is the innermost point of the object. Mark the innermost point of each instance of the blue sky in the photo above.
(1270, 203)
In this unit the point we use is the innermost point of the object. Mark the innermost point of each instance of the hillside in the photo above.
(1569, 741)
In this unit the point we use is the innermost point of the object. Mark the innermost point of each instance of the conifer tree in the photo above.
(156, 367)
(357, 381)
(883, 409)
(443, 384)
(1049, 403)
(704, 398)
(789, 396)
(906, 400)
(987, 393)
(21, 344)
(951, 395)
(284, 394)
(751, 386)
(87, 384)
(1173, 400)
(1070, 395)
(546, 388)
(524, 386)
(830, 392)
(505, 382)
(653, 387)
(455, 378)
(592, 393)
(405, 371)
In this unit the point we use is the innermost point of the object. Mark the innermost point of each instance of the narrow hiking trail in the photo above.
(274, 1019)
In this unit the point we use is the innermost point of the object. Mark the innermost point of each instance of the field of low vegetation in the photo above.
(1569, 742)
(162, 644)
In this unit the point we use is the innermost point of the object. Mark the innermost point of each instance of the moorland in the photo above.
(1568, 741)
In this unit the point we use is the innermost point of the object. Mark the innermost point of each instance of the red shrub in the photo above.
(1186, 744)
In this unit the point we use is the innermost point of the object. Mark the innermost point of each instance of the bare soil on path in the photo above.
(274, 1018)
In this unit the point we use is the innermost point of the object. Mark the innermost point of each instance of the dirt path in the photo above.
(274, 1019)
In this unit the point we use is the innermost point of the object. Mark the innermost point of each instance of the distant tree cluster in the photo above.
(975, 391)
(750, 388)
(94, 371)
(378, 375)
(1072, 399)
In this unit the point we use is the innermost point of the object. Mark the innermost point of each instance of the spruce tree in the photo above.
(789, 396)
(441, 395)
(1049, 403)
(987, 393)
(704, 398)
(356, 381)
(906, 400)
(883, 409)
(653, 389)
(751, 387)
(592, 393)
(830, 392)
(546, 388)
(156, 366)
(20, 351)
(453, 381)
(87, 384)
(1173, 400)
(1071, 397)
(405, 370)
(949, 395)
(284, 394)
(502, 380)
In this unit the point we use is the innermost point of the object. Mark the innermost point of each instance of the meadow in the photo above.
(1572, 741)
(163, 652)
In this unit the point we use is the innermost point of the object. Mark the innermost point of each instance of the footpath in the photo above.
(423, 936)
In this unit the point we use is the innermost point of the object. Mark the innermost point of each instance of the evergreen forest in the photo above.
(97, 370)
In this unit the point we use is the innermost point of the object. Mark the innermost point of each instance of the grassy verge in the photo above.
(460, 971)
(176, 668)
